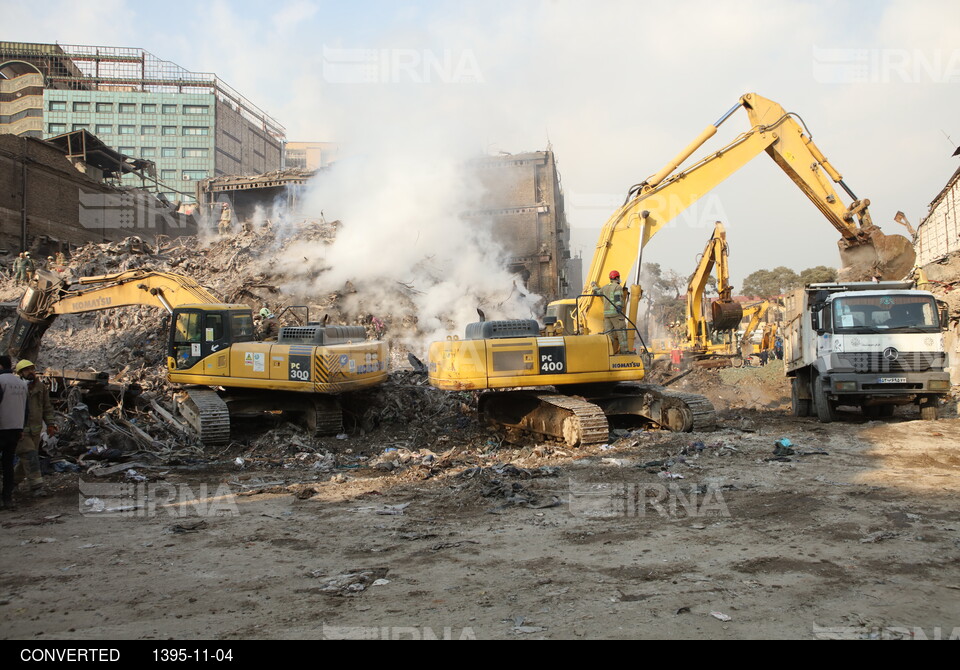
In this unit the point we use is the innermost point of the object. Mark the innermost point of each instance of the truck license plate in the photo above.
(892, 380)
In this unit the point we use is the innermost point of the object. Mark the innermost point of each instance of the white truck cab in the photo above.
(873, 345)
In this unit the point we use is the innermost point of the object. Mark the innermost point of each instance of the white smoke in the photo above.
(405, 249)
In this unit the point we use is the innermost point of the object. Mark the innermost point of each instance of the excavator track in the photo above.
(207, 413)
(572, 420)
(326, 417)
(704, 415)
(674, 410)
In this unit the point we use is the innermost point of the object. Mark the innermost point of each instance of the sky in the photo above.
(614, 88)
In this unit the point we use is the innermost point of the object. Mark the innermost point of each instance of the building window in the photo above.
(105, 108)
(127, 151)
(148, 130)
(148, 109)
(128, 108)
(148, 152)
(168, 152)
(196, 153)
(196, 130)
(81, 106)
(196, 109)
(169, 130)
(56, 128)
(168, 175)
(127, 130)
(169, 109)
(103, 129)
(81, 126)
(194, 175)
(58, 105)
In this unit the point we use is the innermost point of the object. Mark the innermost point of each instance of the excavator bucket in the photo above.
(890, 257)
(726, 314)
(25, 337)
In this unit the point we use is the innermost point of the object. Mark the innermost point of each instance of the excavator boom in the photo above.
(661, 198)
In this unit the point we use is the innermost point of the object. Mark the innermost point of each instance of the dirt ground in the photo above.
(656, 535)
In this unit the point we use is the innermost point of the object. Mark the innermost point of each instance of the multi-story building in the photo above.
(191, 124)
(521, 199)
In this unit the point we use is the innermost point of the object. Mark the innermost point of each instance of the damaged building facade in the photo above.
(57, 194)
(938, 252)
(523, 201)
(938, 235)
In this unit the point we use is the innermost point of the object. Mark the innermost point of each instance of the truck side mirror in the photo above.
(815, 321)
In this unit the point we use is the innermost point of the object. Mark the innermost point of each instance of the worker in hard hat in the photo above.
(614, 320)
(269, 328)
(39, 411)
(29, 266)
(226, 218)
(13, 412)
(19, 269)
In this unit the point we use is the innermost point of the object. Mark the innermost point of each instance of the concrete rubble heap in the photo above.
(130, 344)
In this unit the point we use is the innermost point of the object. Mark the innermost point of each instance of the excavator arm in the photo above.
(54, 296)
(756, 313)
(725, 312)
(661, 198)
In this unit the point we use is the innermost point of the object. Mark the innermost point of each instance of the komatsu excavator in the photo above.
(211, 344)
(590, 378)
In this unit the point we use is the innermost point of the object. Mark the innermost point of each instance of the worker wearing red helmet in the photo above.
(614, 321)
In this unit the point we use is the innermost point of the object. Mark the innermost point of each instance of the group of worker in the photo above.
(25, 408)
(25, 268)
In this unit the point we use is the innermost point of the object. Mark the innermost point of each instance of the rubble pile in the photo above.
(135, 419)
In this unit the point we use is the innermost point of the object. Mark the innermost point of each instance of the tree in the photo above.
(770, 283)
(818, 275)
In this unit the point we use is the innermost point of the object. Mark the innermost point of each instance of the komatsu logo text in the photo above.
(93, 303)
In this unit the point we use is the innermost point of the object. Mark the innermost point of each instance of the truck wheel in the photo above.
(825, 410)
(929, 411)
(798, 406)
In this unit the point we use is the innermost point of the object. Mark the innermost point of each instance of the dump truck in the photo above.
(871, 345)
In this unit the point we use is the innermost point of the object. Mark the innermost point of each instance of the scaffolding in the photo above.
(100, 68)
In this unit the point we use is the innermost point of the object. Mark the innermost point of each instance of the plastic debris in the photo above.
(721, 616)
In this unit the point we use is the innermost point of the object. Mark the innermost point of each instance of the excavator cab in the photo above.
(198, 331)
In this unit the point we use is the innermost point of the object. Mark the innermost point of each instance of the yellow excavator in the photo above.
(212, 344)
(757, 312)
(591, 379)
(701, 344)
